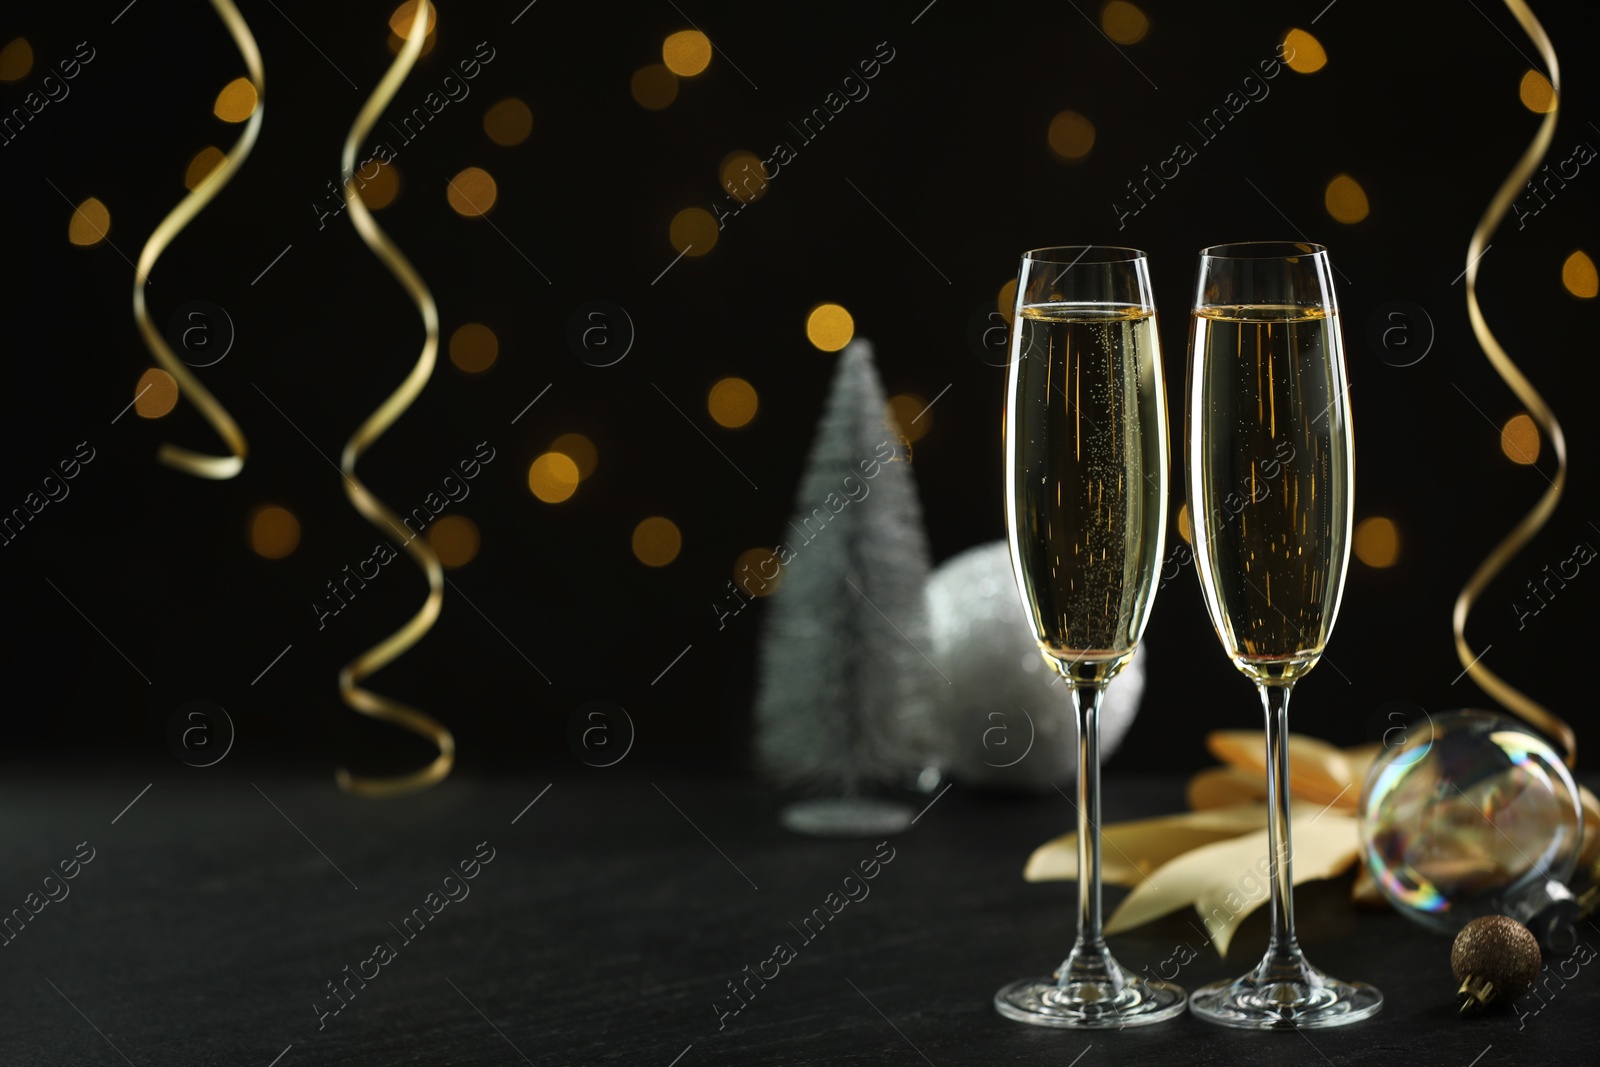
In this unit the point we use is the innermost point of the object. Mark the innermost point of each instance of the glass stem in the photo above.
(1089, 962)
(1283, 950)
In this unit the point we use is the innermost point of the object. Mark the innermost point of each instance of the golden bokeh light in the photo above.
(654, 87)
(656, 541)
(757, 572)
(396, 42)
(1071, 135)
(404, 19)
(830, 327)
(553, 477)
(1345, 200)
(1185, 528)
(693, 231)
(200, 167)
(732, 402)
(274, 532)
(91, 222)
(909, 413)
(474, 347)
(580, 450)
(454, 540)
(1377, 542)
(237, 101)
(1578, 275)
(472, 192)
(686, 53)
(509, 122)
(1006, 301)
(1305, 53)
(382, 189)
(1537, 94)
(16, 60)
(155, 394)
(743, 176)
(1519, 440)
(1123, 22)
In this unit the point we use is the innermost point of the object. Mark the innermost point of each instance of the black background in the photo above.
(1418, 102)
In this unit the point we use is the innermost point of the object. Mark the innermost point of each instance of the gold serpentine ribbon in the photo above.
(1491, 683)
(374, 659)
(187, 460)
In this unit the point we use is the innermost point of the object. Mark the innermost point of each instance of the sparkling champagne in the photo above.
(1086, 479)
(1268, 469)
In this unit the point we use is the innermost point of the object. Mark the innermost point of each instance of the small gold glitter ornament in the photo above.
(1494, 958)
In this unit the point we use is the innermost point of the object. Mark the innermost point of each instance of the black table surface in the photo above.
(606, 927)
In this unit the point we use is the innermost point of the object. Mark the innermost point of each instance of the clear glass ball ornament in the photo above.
(1473, 815)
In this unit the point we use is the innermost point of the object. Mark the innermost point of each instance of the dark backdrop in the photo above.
(1418, 101)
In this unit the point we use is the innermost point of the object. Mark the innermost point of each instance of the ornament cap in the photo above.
(1550, 911)
(1475, 994)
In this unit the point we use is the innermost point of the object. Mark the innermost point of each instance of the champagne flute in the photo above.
(1271, 479)
(1086, 495)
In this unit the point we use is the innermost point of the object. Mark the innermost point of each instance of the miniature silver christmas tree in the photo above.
(843, 705)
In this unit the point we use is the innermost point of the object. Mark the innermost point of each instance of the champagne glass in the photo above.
(1271, 479)
(1086, 496)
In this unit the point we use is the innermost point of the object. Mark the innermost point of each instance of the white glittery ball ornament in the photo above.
(1005, 718)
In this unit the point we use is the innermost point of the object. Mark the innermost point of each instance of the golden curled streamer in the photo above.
(1529, 709)
(198, 463)
(375, 658)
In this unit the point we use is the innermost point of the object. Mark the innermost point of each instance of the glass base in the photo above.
(1303, 998)
(851, 817)
(1089, 1005)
